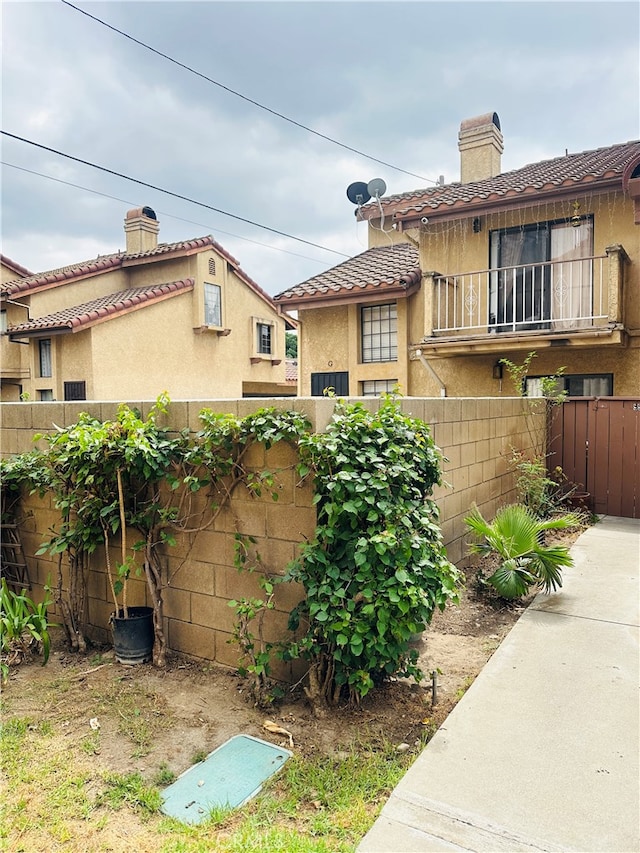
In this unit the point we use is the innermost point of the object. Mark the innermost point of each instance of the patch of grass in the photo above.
(91, 743)
(45, 791)
(164, 776)
(316, 805)
(57, 796)
(141, 713)
(130, 789)
(199, 756)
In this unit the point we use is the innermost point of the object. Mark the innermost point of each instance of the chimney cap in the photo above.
(146, 211)
(480, 121)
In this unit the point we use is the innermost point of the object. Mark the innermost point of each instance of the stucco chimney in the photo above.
(141, 230)
(480, 143)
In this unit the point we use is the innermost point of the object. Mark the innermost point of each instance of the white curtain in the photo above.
(571, 304)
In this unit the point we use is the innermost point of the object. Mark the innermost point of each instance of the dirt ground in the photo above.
(189, 709)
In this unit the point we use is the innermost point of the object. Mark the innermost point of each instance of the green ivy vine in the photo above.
(377, 568)
(373, 575)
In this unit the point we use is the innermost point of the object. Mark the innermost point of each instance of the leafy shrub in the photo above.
(24, 626)
(515, 536)
(377, 568)
(22, 470)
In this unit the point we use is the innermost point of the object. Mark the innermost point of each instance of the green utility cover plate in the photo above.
(228, 777)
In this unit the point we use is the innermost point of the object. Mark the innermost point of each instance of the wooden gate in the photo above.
(596, 442)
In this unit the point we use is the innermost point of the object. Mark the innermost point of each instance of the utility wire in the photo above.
(243, 97)
(162, 212)
(169, 192)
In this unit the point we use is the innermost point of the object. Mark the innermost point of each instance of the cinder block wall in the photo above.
(474, 435)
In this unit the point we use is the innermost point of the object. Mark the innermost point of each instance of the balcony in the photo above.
(555, 301)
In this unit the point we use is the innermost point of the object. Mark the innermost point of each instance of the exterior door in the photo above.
(521, 298)
(596, 442)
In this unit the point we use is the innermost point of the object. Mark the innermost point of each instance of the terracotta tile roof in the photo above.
(602, 167)
(378, 270)
(291, 370)
(14, 266)
(79, 317)
(52, 278)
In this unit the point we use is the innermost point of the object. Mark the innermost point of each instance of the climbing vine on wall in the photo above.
(373, 575)
(377, 568)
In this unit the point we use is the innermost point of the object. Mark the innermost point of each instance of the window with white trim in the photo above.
(379, 332)
(264, 338)
(212, 305)
(3, 322)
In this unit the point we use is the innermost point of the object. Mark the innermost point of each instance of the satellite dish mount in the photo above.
(358, 193)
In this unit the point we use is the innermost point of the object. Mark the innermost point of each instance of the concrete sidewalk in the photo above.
(542, 752)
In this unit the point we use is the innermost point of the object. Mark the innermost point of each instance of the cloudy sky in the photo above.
(392, 80)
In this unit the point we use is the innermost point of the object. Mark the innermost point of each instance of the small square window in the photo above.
(46, 394)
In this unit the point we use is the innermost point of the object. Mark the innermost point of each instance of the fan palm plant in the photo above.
(516, 536)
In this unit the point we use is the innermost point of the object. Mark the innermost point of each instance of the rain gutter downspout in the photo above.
(443, 390)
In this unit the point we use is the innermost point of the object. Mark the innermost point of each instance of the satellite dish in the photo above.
(358, 193)
(376, 187)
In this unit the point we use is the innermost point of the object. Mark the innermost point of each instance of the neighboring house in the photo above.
(10, 269)
(11, 367)
(177, 317)
(458, 276)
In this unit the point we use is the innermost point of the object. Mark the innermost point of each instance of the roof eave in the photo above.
(501, 204)
(39, 333)
(355, 295)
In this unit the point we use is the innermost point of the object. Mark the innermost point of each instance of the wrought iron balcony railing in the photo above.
(556, 295)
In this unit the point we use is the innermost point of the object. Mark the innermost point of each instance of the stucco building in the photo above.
(545, 258)
(177, 317)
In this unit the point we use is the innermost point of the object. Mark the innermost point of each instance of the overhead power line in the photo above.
(170, 192)
(240, 95)
(162, 212)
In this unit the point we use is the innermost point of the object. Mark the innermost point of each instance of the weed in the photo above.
(199, 756)
(130, 789)
(466, 684)
(164, 776)
(91, 743)
(140, 713)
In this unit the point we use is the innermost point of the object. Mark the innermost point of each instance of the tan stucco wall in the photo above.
(330, 342)
(474, 435)
(323, 343)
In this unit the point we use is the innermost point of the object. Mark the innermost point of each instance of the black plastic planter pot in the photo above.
(133, 637)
